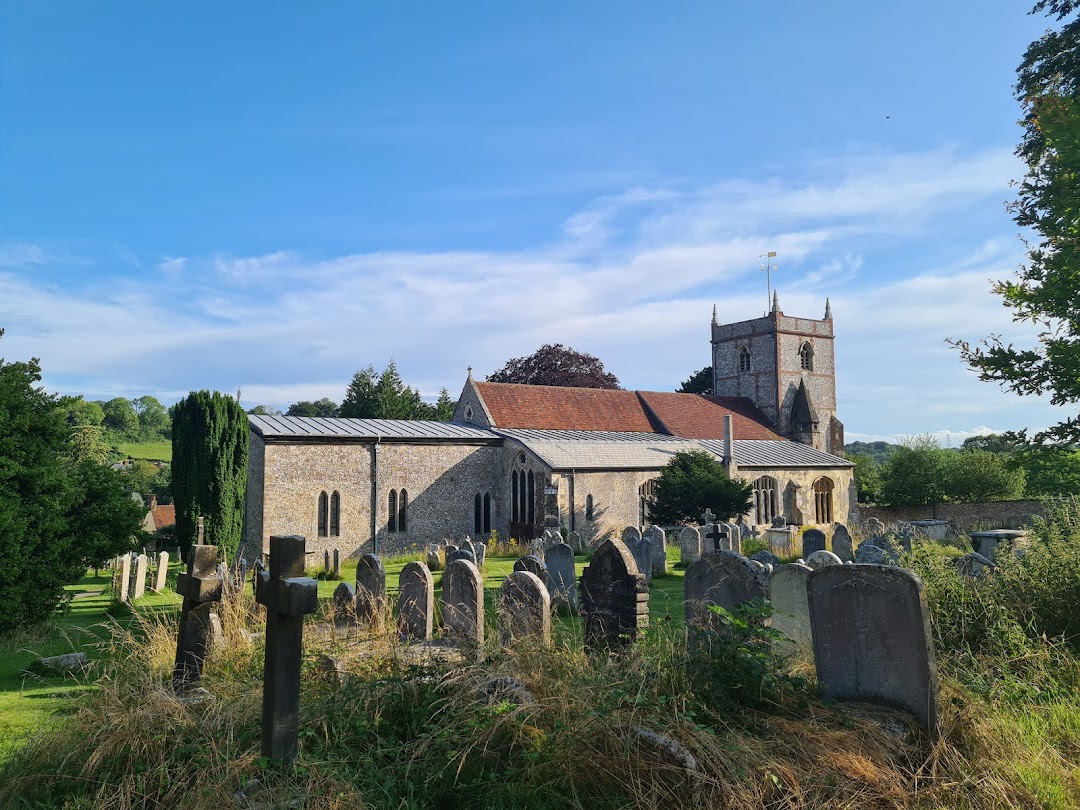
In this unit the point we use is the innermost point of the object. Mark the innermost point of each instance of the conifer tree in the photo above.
(209, 468)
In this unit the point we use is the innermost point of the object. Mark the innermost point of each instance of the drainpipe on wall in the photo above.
(375, 495)
(729, 448)
(573, 511)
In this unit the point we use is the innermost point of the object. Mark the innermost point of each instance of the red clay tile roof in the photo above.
(164, 515)
(690, 416)
(693, 416)
(550, 407)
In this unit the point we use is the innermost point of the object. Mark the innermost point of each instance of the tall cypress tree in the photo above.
(209, 466)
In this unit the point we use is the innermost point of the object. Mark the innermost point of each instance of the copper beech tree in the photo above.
(555, 364)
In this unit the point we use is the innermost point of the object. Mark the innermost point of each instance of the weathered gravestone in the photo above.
(463, 604)
(536, 547)
(335, 564)
(370, 591)
(201, 587)
(643, 556)
(573, 539)
(812, 540)
(872, 640)
(658, 541)
(468, 545)
(563, 582)
(974, 565)
(288, 596)
(480, 550)
(434, 562)
(344, 602)
(715, 538)
(689, 544)
(779, 522)
(820, 559)
(416, 602)
(326, 560)
(875, 527)
(138, 577)
(723, 579)
(765, 558)
(630, 536)
(791, 611)
(614, 598)
(841, 543)
(890, 551)
(734, 539)
(524, 609)
(461, 554)
(162, 571)
(534, 565)
(122, 577)
(449, 549)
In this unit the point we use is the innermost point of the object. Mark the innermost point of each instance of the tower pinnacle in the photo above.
(715, 322)
(775, 301)
(828, 310)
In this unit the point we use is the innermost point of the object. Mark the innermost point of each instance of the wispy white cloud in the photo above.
(630, 277)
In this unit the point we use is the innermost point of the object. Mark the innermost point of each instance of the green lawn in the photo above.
(154, 451)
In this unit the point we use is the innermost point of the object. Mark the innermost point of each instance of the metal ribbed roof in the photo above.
(563, 452)
(318, 428)
(783, 453)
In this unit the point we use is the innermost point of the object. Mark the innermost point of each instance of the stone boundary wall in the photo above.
(964, 516)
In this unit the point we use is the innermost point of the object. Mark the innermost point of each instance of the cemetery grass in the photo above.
(408, 732)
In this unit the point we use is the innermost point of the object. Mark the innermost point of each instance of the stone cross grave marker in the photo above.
(715, 537)
(812, 540)
(524, 609)
(463, 604)
(201, 587)
(416, 602)
(162, 571)
(791, 611)
(689, 544)
(614, 598)
(288, 596)
(659, 550)
(724, 579)
(122, 577)
(563, 582)
(707, 517)
(841, 543)
(371, 592)
(872, 639)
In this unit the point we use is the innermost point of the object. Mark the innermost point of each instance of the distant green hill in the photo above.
(879, 451)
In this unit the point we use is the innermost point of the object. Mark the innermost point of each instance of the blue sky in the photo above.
(268, 196)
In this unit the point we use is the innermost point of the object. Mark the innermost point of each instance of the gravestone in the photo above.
(658, 541)
(463, 604)
(335, 564)
(734, 539)
(890, 548)
(573, 539)
(200, 531)
(241, 573)
(534, 565)
(614, 598)
(707, 517)
(791, 611)
(434, 562)
(162, 571)
(201, 587)
(723, 579)
(132, 574)
(869, 554)
(974, 565)
(563, 582)
(122, 577)
(765, 558)
(841, 543)
(467, 545)
(821, 559)
(344, 602)
(643, 557)
(370, 591)
(812, 540)
(715, 538)
(872, 639)
(326, 561)
(986, 543)
(630, 536)
(480, 549)
(416, 602)
(689, 544)
(461, 554)
(536, 547)
(524, 609)
(875, 527)
(288, 596)
(779, 522)
(449, 549)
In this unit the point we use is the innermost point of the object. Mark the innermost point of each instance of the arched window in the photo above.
(514, 498)
(487, 514)
(806, 357)
(335, 515)
(588, 507)
(823, 489)
(765, 499)
(324, 511)
(531, 501)
(477, 523)
(646, 498)
(403, 512)
(391, 511)
(742, 357)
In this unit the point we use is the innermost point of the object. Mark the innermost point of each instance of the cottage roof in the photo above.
(164, 515)
(327, 429)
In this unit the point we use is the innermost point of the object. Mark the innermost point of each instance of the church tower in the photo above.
(786, 367)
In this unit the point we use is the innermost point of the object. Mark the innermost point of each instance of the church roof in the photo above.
(553, 407)
(780, 453)
(694, 416)
(318, 428)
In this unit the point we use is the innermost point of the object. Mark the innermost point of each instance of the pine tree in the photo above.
(210, 445)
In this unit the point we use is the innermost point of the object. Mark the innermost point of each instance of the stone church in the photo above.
(517, 459)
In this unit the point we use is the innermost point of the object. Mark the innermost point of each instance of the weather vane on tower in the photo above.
(768, 267)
